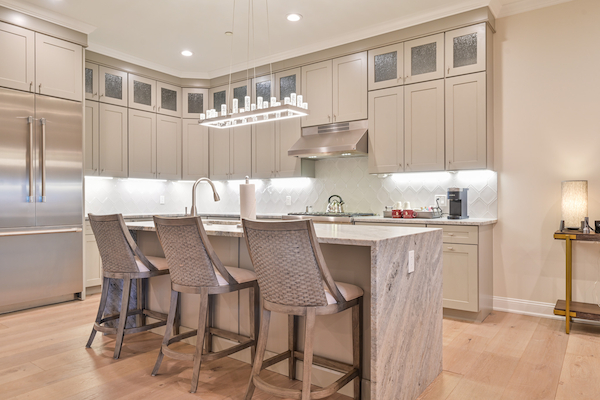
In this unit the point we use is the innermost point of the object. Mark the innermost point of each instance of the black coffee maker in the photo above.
(457, 200)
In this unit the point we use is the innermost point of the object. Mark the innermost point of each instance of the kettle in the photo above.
(335, 206)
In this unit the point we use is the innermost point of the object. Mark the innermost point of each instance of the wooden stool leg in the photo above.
(309, 337)
(209, 322)
(140, 318)
(254, 319)
(292, 345)
(101, 306)
(177, 322)
(357, 343)
(202, 316)
(123, 316)
(173, 309)
(260, 351)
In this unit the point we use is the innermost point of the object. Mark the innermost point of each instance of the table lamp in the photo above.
(574, 204)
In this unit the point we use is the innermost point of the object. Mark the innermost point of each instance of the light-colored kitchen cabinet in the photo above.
(386, 66)
(93, 263)
(113, 141)
(317, 91)
(466, 122)
(288, 82)
(239, 91)
(18, 70)
(142, 93)
(91, 81)
(424, 126)
(58, 68)
(91, 131)
(168, 147)
(142, 144)
(424, 59)
(350, 91)
(230, 153)
(169, 99)
(218, 96)
(466, 50)
(113, 86)
(195, 150)
(461, 290)
(195, 102)
(263, 150)
(263, 87)
(386, 130)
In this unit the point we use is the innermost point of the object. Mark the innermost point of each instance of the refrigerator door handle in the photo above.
(43, 160)
(41, 232)
(31, 198)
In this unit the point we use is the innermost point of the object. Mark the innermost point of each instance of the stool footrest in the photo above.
(228, 335)
(276, 359)
(182, 336)
(228, 351)
(145, 327)
(276, 390)
(176, 355)
(326, 362)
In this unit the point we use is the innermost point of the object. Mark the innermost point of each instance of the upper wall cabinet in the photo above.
(142, 93)
(91, 81)
(217, 96)
(288, 82)
(113, 86)
(142, 144)
(239, 91)
(465, 50)
(317, 90)
(92, 126)
(17, 71)
(263, 87)
(386, 130)
(424, 59)
(350, 93)
(230, 153)
(386, 66)
(195, 150)
(194, 102)
(168, 147)
(113, 140)
(169, 99)
(58, 68)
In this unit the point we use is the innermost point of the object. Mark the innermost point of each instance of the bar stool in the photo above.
(294, 280)
(122, 259)
(192, 261)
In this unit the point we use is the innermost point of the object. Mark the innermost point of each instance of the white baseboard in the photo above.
(533, 308)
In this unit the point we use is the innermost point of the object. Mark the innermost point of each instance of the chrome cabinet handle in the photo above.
(43, 160)
(31, 198)
(40, 88)
(329, 118)
(95, 94)
(448, 70)
(30, 86)
(41, 232)
(102, 95)
(334, 117)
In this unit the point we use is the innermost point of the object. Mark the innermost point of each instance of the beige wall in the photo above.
(547, 129)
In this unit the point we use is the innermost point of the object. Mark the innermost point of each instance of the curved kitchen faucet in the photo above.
(194, 212)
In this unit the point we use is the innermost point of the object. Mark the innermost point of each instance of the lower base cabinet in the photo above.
(93, 264)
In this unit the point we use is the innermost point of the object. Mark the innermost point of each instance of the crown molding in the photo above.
(47, 15)
(522, 6)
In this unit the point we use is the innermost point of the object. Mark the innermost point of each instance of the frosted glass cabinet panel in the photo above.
(465, 50)
(386, 66)
(113, 86)
(195, 150)
(386, 130)
(263, 86)
(195, 102)
(18, 70)
(424, 126)
(142, 93)
(58, 71)
(217, 96)
(424, 59)
(169, 99)
(91, 81)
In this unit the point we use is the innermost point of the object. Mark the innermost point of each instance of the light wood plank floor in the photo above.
(508, 356)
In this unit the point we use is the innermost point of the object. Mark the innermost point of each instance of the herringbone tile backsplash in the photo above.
(348, 178)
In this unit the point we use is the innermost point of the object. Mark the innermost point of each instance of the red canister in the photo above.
(396, 213)
(408, 214)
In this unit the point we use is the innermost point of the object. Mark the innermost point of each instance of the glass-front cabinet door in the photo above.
(239, 91)
(386, 66)
(465, 50)
(424, 59)
(169, 99)
(142, 93)
(263, 87)
(195, 102)
(217, 97)
(91, 81)
(113, 86)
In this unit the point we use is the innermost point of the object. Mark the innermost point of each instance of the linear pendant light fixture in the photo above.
(264, 110)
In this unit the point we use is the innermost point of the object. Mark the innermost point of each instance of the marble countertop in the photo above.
(433, 221)
(355, 235)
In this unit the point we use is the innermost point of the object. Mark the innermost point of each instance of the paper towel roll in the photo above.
(247, 201)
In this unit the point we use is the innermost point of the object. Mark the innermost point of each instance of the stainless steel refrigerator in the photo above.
(41, 200)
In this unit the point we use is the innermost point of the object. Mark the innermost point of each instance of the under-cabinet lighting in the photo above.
(99, 177)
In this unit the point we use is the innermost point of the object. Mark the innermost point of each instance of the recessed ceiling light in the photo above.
(294, 17)
(186, 53)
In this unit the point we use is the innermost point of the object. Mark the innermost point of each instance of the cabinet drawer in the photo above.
(458, 233)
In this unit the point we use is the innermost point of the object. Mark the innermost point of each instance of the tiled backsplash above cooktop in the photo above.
(346, 177)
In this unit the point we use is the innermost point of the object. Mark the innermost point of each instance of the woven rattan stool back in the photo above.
(189, 253)
(117, 247)
(288, 262)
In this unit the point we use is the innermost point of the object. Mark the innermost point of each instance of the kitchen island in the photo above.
(402, 349)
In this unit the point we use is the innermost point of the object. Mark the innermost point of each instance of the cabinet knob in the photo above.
(40, 88)
(102, 170)
(329, 118)
(30, 85)
(95, 94)
(448, 70)
(450, 248)
(102, 95)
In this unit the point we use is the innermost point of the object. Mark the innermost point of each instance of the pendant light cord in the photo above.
(269, 45)
(231, 50)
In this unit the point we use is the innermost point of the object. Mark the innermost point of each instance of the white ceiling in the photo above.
(153, 33)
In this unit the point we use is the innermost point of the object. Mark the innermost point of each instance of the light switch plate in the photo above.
(411, 261)
(288, 200)
(162, 199)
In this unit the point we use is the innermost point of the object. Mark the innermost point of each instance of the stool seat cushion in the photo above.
(350, 292)
(241, 275)
(158, 262)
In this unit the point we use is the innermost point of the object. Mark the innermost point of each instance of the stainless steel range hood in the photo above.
(344, 139)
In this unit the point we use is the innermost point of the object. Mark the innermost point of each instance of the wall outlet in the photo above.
(411, 261)
(442, 199)
(162, 199)
(288, 200)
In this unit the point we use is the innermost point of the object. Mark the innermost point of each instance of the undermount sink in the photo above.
(220, 221)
